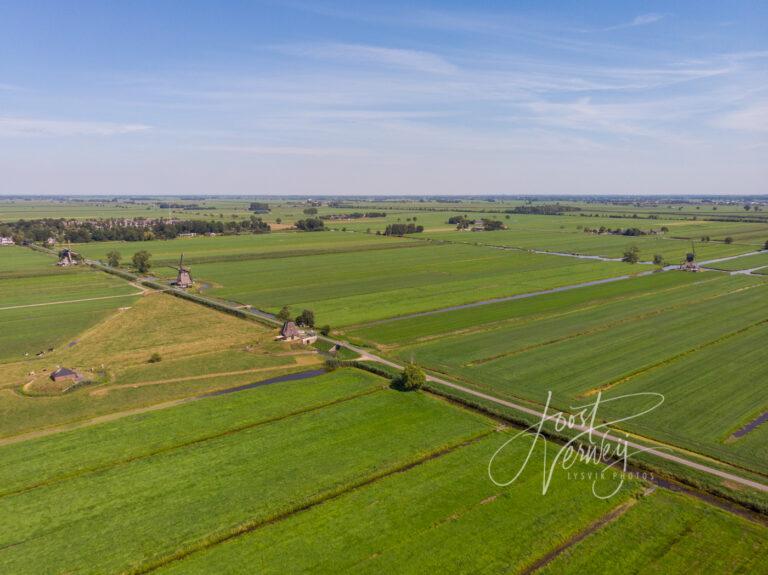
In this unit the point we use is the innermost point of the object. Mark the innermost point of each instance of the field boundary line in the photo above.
(669, 360)
(104, 418)
(71, 301)
(214, 539)
(590, 529)
(609, 325)
(186, 444)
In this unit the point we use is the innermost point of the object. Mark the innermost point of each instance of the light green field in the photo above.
(667, 534)
(350, 288)
(43, 306)
(443, 517)
(150, 507)
(244, 247)
(410, 330)
(745, 263)
(612, 343)
(578, 242)
(115, 351)
(17, 261)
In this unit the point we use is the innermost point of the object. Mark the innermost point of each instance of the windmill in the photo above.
(690, 264)
(184, 277)
(67, 257)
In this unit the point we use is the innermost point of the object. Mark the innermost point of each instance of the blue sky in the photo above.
(191, 97)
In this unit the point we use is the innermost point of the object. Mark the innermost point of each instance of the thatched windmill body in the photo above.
(68, 258)
(184, 276)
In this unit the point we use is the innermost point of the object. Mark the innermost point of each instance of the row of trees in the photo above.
(402, 229)
(543, 210)
(117, 230)
(311, 225)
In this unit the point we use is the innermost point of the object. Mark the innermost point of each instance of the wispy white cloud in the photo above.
(752, 118)
(286, 150)
(642, 20)
(415, 60)
(13, 126)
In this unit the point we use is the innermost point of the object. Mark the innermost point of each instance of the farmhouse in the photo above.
(6, 241)
(64, 374)
(291, 332)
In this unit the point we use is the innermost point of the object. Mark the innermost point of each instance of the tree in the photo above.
(631, 255)
(284, 314)
(259, 207)
(279, 221)
(411, 378)
(729, 240)
(306, 318)
(765, 247)
(311, 225)
(325, 330)
(310, 211)
(154, 358)
(141, 261)
(113, 258)
(658, 260)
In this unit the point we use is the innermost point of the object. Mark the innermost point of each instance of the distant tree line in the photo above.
(192, 207)
(402, 229)
(617, 231)
(259, 207)
(543, 210)
(112, 230)
(354, 216)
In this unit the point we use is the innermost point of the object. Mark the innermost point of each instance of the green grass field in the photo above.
(667, 534)
(577, 242)
(745, 263)
(43, 306)
(615, 344)
(343, 289)
(203, 249)
(150, 507)
(116, 348)
(443, 516)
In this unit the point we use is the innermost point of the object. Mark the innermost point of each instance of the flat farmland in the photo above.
(610, 344)
(669, 534)
(443, 516)
(343, 289)
(247, 246)
(148, 508)
(745, 263)
(609, 246)
(114, 353)
(43, 306)
(403, 331)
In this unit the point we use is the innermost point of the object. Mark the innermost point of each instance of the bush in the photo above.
(325, 330)
(284, 314)
(306, 318)
(658, 260)
(154, 358)
(311, 225)
(631, 255)
(729, 240)
(412, 378)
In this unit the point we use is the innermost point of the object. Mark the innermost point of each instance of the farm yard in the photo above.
(194, 440)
